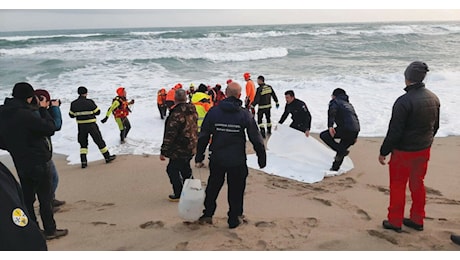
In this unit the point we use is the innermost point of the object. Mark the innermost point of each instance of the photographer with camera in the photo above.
(53, 106)
(25, 132)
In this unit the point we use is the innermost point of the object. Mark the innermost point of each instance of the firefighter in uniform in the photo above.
(263, 97)
(85, 111)
(120, 110)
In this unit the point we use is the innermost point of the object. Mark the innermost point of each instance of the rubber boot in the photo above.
(122, 136)
(262, 132)
(84, 162)
(108, 157)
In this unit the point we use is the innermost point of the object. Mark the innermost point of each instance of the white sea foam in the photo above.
(25, 38)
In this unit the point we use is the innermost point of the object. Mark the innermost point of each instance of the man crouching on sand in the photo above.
(179, 142)
(226, 123)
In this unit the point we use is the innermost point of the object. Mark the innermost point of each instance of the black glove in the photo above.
(262, 161)
(104, 120)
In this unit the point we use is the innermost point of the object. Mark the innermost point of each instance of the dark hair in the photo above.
(338, 91)
(261, 78)
(290, 93)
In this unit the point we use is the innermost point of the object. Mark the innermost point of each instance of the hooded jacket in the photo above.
(414, 121)
(25, 133)
(342, 113)
(180, 134)
(227, 123)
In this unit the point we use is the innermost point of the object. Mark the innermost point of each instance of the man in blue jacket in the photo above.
(227, 124)
(342, 113)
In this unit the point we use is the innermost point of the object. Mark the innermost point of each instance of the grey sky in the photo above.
(35, 19)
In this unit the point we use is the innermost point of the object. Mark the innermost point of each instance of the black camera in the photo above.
(52, 100)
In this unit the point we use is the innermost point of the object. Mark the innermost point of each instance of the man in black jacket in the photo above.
(25, 132)
(301, 117)
(226, 124)
(342, 113)
(413, 125)
(85, 111)
(16, 231)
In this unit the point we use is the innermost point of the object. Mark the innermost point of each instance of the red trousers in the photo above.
(404, 167)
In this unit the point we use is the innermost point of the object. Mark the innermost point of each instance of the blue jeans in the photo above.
(55, 178)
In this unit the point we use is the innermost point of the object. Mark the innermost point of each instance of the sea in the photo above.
(367, 60)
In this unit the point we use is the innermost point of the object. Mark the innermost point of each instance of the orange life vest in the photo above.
(123, 109)
(161, 99)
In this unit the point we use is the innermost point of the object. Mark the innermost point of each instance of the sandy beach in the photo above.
(123, 206)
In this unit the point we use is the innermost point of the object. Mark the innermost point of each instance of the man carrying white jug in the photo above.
(226, 123)
(179, 142)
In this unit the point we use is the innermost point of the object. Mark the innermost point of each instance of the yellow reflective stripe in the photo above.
(266, 91)
(83, 150)
(265, 106)
(93, 120)
(71, 112)
(84, 113)
(262, 125)
(103, 150)
(269, 124)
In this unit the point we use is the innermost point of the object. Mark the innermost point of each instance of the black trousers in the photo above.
(260, 115)
(178, 171)
(162, 109)
(236, 181)
(90, 129)
(37, 181)
(347, 139)
(126, 127)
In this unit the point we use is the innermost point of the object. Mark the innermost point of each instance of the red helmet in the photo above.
(120, 91)
(246, 76)
(229, 81)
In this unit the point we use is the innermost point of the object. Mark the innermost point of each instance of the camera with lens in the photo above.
(54, 100)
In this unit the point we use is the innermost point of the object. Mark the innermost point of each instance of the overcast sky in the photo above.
(42, 15)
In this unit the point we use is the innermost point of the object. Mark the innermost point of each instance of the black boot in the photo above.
(262, 132)
(84, 162)
(122, 136)
(338, 160)
(108, 157)
(269, 130)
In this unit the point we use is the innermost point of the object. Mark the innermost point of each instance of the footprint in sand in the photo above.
(152, 224)
(182, 246)
(264, 224)
(363, 214)
(311, 222)
(261, 245)
(381, 235)
(324, 201)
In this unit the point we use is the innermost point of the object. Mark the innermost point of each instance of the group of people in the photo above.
(198, 119)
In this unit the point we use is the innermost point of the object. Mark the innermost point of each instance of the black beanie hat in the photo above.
(338, 91)
(202, 88)
(416, 71)
(23, 90)
(82, 90)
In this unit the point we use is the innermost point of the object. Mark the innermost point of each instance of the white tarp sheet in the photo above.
(292, 155)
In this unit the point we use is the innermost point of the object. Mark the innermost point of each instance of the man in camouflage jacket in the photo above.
(179, 142)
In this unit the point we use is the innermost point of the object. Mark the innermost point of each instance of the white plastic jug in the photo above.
(191, 200)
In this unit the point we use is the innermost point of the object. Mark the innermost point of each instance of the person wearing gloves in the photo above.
(120, 110)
